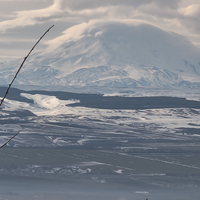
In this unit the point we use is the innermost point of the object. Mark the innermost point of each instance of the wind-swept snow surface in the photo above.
(115, 53)
(68, 150)
(174, 120)
(43, 104)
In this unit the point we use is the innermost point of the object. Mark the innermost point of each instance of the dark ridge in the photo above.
(114, 102)
(14, 94)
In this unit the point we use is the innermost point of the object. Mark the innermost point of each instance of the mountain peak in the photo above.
(125, 53)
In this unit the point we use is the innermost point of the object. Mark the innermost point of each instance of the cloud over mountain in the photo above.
(22, 21)
(116, 53)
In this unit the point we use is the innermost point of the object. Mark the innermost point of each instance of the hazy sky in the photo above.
(22, 22)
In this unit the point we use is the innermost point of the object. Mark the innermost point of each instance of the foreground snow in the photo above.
(91, 153)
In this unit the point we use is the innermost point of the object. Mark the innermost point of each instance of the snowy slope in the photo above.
(125, 53)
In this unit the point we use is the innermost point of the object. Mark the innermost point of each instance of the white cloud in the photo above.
(166, 14)
(191, 11)
(189, 18)
(180, 16)
(161, 12)
(76, 32)
(22, 0)
(31, 17)
(91, 4)
(71, 34)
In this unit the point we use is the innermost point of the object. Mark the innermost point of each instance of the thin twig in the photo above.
(9, 140)
(15, 78)
(23, 64)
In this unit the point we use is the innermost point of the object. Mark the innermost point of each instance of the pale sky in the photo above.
(22, 22)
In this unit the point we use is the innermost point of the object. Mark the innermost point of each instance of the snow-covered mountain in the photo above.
(125, 53)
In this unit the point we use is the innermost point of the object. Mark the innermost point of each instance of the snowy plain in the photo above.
(141, 153)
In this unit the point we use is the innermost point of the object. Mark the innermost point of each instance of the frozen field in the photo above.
(80, 146)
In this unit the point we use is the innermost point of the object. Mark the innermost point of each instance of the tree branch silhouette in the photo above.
(9, 140)
(2, 100)
(23, 64)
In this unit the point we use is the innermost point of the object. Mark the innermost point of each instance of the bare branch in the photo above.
(9, 140)
(23, 64)
(15, 78)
